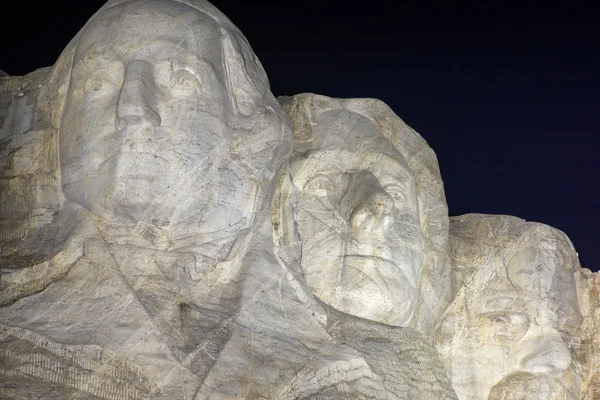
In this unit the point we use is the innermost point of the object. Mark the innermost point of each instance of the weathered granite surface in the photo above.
(588, 287)
(135, 176)
(138, 258)
(364, 212)
(169, 230)
(513, 329)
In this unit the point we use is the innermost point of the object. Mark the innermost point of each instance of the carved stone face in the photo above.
(514, 339)
(357, 218)
(168, 123)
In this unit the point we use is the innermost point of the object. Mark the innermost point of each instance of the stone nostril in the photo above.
(370, 214)
(383, 203)
(121, 124)
(153, 117)
(359, 216)
(549, 358)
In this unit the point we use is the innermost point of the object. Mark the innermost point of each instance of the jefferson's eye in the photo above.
(320, 186)
(398, 193)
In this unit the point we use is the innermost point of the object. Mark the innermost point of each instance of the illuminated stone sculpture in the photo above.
(513, 328)
(136, 172)
(363, 212)
(165, 235)
(300, 340)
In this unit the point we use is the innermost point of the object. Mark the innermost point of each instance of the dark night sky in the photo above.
(506, 95)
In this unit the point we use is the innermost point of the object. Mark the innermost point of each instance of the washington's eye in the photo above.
(332, 185)
(93, 85)
(98, 81)
(184, 80)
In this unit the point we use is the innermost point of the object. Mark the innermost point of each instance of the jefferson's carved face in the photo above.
(357, 217)
(515, 339)
(156, 131)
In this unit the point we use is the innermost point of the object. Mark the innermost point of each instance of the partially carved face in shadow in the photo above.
(512, 332)
(357, 220)
(169, 124)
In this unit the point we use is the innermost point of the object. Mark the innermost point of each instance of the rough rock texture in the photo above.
(285, 344)
(588, 287)
(513, 328)
(137, 250)
(164, 235)
(119, 266)
(29, 179)
(365, 187)
(312, 345)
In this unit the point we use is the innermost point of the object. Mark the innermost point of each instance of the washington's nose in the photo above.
(547, 354)
(371, 206)
(137, 100)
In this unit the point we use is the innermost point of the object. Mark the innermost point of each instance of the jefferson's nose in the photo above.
(371, 206)
(546, 354)
(137, 100)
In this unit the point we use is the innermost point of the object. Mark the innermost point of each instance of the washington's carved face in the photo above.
(357, 217)
(515, 340)
(156, 131)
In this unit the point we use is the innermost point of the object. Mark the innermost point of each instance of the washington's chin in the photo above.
(525, 385)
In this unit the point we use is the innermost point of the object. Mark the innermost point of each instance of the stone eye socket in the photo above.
(184, 79)
(93, 85)
(398, 193)
(98, 81)
(495, 328)
(331, 185)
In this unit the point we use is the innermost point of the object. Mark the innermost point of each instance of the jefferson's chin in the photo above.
(528, 386)
(375, 289)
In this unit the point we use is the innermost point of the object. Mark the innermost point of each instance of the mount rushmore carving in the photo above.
(170, 230)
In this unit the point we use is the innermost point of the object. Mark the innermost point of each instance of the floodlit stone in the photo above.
(294, 338)
(513, 328)
(588, 289)
(362, 211)
(135, 174)
(169, 230)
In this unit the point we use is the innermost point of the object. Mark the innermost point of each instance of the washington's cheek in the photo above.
(89, 126)
(404, 229)
(318, 219)
(191, 110)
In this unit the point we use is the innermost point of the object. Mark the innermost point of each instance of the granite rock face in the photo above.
(363, 212)
(138, 259)
(588, 287)
(169, 230)
(136, 172)
(513, 329)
